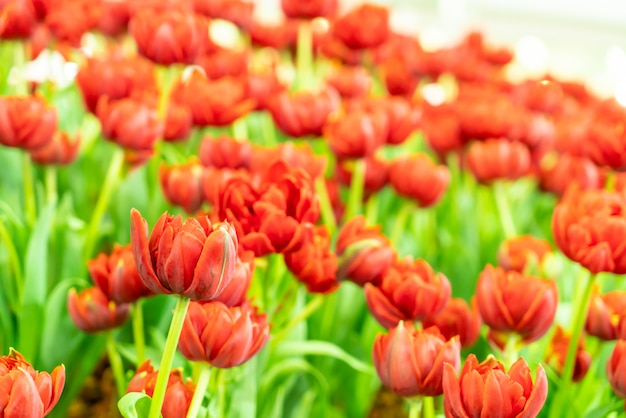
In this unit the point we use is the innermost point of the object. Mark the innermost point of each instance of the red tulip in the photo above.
(178, 118)
(496, 159)
(194, 259)
(277, 36)
(93, 312)
(605, 314)
(357, 134)
(441, 129)
(70, 20)
(26, 392)
(129, 123)
(303, 113)
(485, 112)
(234, 293)
(411, 362)
(366, 26)
(616, 369)
(400, 77)
(170, 37)
(182, 185)
(487, 390)
(262, 86)
(17, 19)
(606, 145)
(410, 291)
(557, 352)
(350, 82)
(116, 275)
(26, 122)
(418, 177)
(518, 252)
(558, 172)
(298, 9)
(114, 19)
(224, 62)
(314, 264)
(225, 152)
(364, 253)
(589, 226)
(223, 337)
(61, 150)
(178, 394)
(458, 318)
(510, 302)
(300, 155)
(376, 173)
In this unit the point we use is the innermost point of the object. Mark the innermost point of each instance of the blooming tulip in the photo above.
(182, 185)
(557, 352)
(225, 152)
(93, 312)
(418, 177)
(486, 390)
(357, 134)
(605, 314)
(350, 82)
(25, 392)
(458, 318)
(366, 26)
(518, 252)
(26, 122)
(18, 19)
(616, 369)
(234, 293)
(298, 9)
(223, 337)
(411, 362)
(194, 259)
(61, 150)
(510, 302)
(496, 159)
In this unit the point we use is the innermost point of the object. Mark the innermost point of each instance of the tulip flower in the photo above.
(182, 185)
(557, 173)
(93, 312)
(314, 264)
(178, 394)
(169, 37)
(518, 252)
(557, 352)
(68, 21)
(194, 258)
(418, 177)
(458, 318)
(61, 150)
(473, 393)
(26, 392)
(483, 111)
(376, 174)
(366, 26)
(310, 9)
(26, 122)
(510, 302)
(221, 336)
(278, 36)
(605, 314)
(224, 62)
(303, 113)
(364, 253)
(262, 86)
(235, 293)
(225, 152)
(18, 19)
(588, 226)
(616, 369)
(411, 362)
(178, 118)
(441, 129)
(116, 275)
(606, 145)
(496, 159)
(301, 156)
(350, 82)
(410, 291)
(357, 134)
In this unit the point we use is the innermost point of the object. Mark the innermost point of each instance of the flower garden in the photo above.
(319, 218)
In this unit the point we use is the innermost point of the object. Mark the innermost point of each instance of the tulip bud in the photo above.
(496, 159)
(616, 369)
(418, 177)
(234, 293)
(92, 312)
(605, 313)
(366, 26)
(458, 318)
(557, 353)
(182, 185)
(519, 252)
(26, 122)
(61, 150)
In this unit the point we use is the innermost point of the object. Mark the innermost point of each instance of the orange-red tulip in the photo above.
(301, 156)
(518, 252)
(225, 152)
(496, 159)
(557, 173)
(366, 26)
(277, 36)
(441, 129)
(93, 312)
(298, 9)
(221, 336)
(194, 258)
(26, 392)
(182, 185)
(510, 302)
(17, 19)
(61, 150)
(224, 62)
(116, 275)
(178, 394)
(376, 173)
(411, 362)
(26, 122)
(410, 291)
(557, 352)
(605, 314)
(234, 293)
(458, 318)
(487, 390)
(68, 21)
(357, 134)
(616, 369)
(606, 145)
(350, 82)
(418, 177)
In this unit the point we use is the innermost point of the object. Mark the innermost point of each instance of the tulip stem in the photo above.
(15, 297)
(504, 211)
(201, 388)
(116, 364)
(19, 61)
(30, 206)
(510, 349)
(268, 130)
(50, 173)
(304, 56)
(138, 335)
(328, 215)
(110, 183)
(240, 128)
(308, 310)
(428, 407)
(415, 407)
(400, 223)
(371, 209)
(166, 82)
(176, 327)
(355, 195)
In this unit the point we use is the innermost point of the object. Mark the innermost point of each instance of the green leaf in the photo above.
(30, 326)
(323, 348)
(134, 405)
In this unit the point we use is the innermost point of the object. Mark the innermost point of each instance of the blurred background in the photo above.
(572, 39)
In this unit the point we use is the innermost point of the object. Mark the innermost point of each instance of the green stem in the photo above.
(510, 349)
(50, 173)
(371, 209)
(504, 211)
(328, 214)
(240, 128)
(110, 183)
(428, 408)
(402, 217)
(201, 389)
(415, 407)
(30, 205)
(167, 76)
(304, 56)
(138, 335)
(167, 359)
(355, 195)
(268, 130)
(14, 259)
(19, 60)
(308, 310)
(221, 392)
(116, 364)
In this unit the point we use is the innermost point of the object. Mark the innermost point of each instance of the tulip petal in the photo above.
(381, 307)
(141, 252)
(24, 400)
(452, 393)
(537, 397)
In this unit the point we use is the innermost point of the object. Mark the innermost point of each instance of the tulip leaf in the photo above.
(134, 405)
(292, 365)
(30, 326)
(323, 348)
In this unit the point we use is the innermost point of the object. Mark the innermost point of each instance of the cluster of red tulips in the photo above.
(307, 154)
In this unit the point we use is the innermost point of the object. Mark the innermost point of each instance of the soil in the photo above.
(98, 398)
(388, 405)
